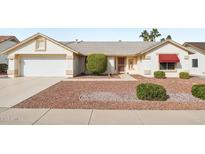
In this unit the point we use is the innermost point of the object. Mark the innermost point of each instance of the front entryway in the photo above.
(43, 65)
(121, 64)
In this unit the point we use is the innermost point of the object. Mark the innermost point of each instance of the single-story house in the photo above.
(5, 43)
(40, 55)
(197, 60)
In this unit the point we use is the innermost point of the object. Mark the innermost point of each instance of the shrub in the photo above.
(96, 63)
(3, 68)
(198, 91)
(184, 75)
(159, 74)
(152, 92)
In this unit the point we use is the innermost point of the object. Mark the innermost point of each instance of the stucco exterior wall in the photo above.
(136, 64)
(78, 64)
(29, 48)
(111, 62)
(150, 61)
(200, 70)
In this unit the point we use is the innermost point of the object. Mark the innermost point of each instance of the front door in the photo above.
(121, 64)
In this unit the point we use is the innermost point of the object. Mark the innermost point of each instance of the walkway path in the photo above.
(123, 77)
(127, 77)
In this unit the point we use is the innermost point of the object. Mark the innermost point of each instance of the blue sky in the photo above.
(106, 34)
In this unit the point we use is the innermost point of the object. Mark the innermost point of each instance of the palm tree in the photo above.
(154, 34)
(145, 35)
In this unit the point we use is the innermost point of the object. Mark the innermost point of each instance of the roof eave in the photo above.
(34, 36)
(163, 43)
(194, 47)
(10, 38)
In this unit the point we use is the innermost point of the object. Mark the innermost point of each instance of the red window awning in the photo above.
(168, 58)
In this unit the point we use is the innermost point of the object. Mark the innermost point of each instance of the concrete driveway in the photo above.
(15, 90)
(11, 116)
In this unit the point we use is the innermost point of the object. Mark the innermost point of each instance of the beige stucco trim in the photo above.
(11, 57)
(168, 53)
(69, 72)
(186, 57)
(12, 72)
(69, 57)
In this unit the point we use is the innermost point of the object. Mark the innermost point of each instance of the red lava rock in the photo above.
(65, 94)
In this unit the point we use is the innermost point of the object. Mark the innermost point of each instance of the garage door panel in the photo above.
(43, 65)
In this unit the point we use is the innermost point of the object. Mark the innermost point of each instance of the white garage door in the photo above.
(43, 65)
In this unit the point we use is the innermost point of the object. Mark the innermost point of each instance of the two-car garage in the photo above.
(42, 65)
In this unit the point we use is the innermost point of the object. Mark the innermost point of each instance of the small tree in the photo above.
(168, 37)
(96, 63)
(163, 39)
(198, 91)
(159, 75)
(151, 92)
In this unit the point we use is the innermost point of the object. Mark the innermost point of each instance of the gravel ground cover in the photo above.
(114, 95)
(131, 97)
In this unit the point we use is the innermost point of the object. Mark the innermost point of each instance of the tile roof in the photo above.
(110, 48)
(4, 38)
(199, 45)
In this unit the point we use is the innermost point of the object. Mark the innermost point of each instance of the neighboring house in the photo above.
(5, 43)
(197, 60)
(40, 55)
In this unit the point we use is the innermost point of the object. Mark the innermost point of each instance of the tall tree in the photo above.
(150, 36)
(145, 35)
(154, 34)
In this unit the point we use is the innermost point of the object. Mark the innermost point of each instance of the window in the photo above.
(41, 44)
(130, 63)
(167, 66)
(194, 62)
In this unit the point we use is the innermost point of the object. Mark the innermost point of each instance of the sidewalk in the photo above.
(18, 116)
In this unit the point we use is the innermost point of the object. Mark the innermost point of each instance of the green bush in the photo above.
(3, 68)
(184, 75)
(198, 91)
(152, 92)
(159, 74)
(96, 63)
